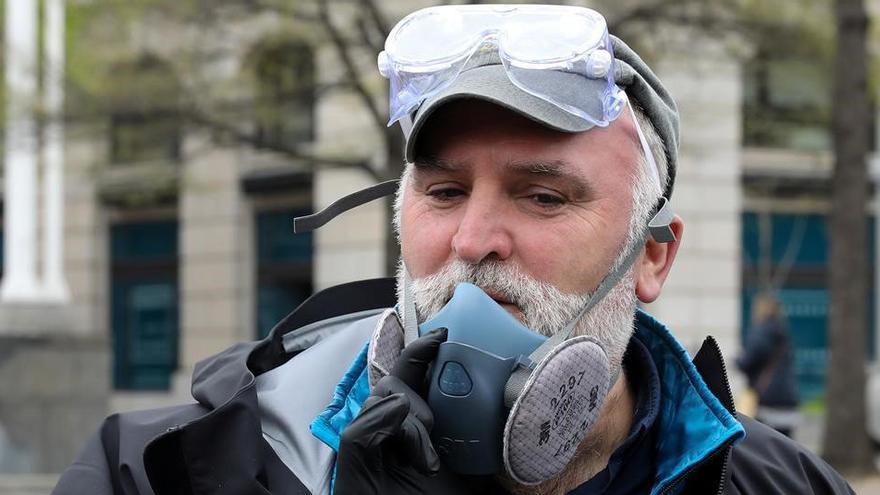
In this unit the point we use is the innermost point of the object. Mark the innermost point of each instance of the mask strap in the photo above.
(311, 222)
(607, 283)
(314, 221)
(520, 375)
(410, 322)
(604, 288)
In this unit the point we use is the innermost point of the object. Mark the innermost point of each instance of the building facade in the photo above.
(177, 232)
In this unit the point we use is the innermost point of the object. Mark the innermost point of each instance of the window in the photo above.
(284, 277)
(144, 118)
(787, 102)
(144, 311)
(285, 78)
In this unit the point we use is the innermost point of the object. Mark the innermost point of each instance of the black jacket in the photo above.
(215, 446)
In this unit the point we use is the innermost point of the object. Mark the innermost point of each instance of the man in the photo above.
(542, 156)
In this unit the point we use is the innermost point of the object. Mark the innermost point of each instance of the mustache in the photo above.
(502, 280)
(545, 308)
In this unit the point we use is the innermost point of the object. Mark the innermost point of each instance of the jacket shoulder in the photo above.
(769, 462)
(112, 460)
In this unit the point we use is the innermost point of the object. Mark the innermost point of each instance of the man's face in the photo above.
(492, 186)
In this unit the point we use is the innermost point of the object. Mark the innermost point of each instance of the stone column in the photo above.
(215, 239)
(873, 371)
(54, 368)
(54, 283)
(20, 282)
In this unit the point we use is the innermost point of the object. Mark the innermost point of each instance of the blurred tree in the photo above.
(846, 442)
(281, 67)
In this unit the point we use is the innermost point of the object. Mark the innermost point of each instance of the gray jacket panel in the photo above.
(292, 395)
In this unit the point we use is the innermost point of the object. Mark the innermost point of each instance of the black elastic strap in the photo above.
(343, 204)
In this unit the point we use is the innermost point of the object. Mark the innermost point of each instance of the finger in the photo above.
(371, 400)
(416, 448)
(414, 360)
(375, 424)
(417, 406)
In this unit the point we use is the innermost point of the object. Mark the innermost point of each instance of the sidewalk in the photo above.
(867, 486)
(809, 433)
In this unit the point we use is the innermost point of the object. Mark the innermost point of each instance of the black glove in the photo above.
(387, 449)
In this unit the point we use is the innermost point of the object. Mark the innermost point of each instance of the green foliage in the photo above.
(94, 37)
(799, 28)
(787, 78)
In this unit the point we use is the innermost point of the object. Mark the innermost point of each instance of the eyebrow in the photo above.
(437, 164)
(557, 169)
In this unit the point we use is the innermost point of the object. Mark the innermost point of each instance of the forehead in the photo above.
(465, 132)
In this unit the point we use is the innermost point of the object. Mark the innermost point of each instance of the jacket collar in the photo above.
(697, 423)
(222, 452)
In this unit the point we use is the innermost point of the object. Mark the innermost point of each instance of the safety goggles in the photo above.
(428, 49)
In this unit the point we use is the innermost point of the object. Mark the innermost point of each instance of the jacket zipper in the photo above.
(725, 447)
(723, 474)
(730, 399)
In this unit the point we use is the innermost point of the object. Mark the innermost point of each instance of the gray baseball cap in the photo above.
(484, 78)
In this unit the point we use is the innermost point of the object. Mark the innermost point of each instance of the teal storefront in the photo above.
(145, 313)
(284, 267)
(144, 304)
(791, 252)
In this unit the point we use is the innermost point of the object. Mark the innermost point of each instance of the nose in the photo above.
(482, 233)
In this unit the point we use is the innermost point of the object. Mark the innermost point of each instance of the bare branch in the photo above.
(201, 119)
(670, 10)
(343, 49)
(365, 36)
(377, 17)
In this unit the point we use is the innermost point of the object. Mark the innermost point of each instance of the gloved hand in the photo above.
(387, 449)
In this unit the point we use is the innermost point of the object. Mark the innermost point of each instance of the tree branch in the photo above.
(203, 120)
(669, 10)
(343, 50)
(365, 36)
(377, 17)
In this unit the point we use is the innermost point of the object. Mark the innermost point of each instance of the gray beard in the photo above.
(545, 308)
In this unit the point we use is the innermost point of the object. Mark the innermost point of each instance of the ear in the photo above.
(654, 264)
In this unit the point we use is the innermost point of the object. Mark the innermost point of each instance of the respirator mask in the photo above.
(506, 398)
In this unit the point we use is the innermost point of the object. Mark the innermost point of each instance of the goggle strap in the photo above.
(314, 221)
(406, 125)
(646, 150)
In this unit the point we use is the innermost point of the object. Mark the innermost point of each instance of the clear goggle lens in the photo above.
(428, 49)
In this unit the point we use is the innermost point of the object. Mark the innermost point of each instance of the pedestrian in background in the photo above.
(768, 362)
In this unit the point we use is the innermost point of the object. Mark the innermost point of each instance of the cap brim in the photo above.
(490, 83)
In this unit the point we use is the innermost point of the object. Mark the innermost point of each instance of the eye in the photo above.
(547, 200)
(445, 193)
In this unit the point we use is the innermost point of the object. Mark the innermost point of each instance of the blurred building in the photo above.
(177, 233)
